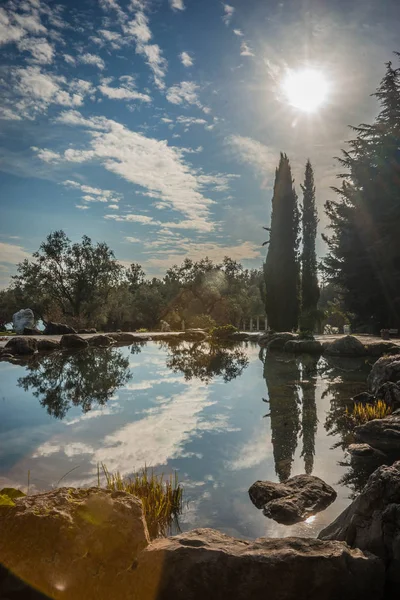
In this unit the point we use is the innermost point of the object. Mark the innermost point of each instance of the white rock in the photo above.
(23, 318)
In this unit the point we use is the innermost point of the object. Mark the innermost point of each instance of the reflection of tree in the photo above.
(83, 378)
(309, 414)
(282, 376)
(136, 347)
(205, 361)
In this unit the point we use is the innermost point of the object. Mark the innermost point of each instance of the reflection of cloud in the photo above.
(252, 453)
(70, 450)
(110, 409)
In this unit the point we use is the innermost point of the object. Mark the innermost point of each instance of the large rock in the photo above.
(125, 338)
(372, 523)
(31, 331)
(207, 565)
(276, 341)
(304, 347)
(92, 330)
(21, 345)
(58, 329)
(383, 434)
(347, 345)
(74, 544)
(293, 501)
(101, 341)
(47, 345)
(23, 318)
(363, 452)
(385, 369)
(72, 340)
(379, 348)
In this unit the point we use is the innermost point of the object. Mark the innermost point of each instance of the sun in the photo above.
(306, 89)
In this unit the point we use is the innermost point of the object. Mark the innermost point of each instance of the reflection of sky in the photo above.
(214, 435)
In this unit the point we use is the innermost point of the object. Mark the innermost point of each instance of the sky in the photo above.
(156, 125)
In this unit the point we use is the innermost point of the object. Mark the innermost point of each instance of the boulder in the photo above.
(58, 329)
(364, 398)
(383, 434)
(31, 331)
(365, 452)
(372, 523)
(74, 544)
(385, 369)
(23, 318)
(276, 341)
(47, 345)
(292, 501)
(304, 347)
(390, 393)
(21, 345)
(101, 341)
(379, 348)
(93, 330)
(125, 338)
(205, 564)
(72, 340)
(347, 345)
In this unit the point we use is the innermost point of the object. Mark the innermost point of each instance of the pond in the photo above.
(222, 417)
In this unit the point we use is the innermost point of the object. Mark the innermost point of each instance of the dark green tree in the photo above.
(309, 276)
(364, 246)
(281, 269)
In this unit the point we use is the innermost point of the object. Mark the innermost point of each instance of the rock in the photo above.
(363, 398)
(372, 523)
(379, 348)
(31, 331)
(101, 341)
(47, 345)
(347, 345)
(74, 544)
(365, 451)
(276, 341)
(72, 340)
(383, 434)
(385, 369)
(93, 330)
(164, 326)
(294, 500)
(241, 336)
(304, 346)
(58, 329)
(125, 338)
(6, 356)
(21, 345)
(23, 318)
(194, 335)
(207, 565)
(390, 393)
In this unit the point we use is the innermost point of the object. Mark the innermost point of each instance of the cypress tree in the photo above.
(281, 268)
(309, 278)
(364, 247)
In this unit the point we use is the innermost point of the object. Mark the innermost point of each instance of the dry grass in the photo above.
(162, 497)
(362, 413)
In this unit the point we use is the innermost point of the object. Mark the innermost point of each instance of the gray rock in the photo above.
(47, 345)
(205, 564)
(293, 501)
(389, 392)
(383, 434)
(74, 544)
(101, 341)
(385, 369)
(364, 398)
(125, 338)
(58, 329)
(365, 452)
(347, 345)
(276, 341)
(92, 330)
(21, 345)
(304, 347)
(31, 331)
(380, 348)
(23, 318)
(372, 523)
(72, 340)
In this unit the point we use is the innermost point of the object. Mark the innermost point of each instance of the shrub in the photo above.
(202, 322)
(142, 330)
(224, 332)
(362, 413)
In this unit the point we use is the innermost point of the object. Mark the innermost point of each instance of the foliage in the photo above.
(281, 269)
(223, 333)
(364, 245)
(8, 495)
(162, 499)
(142, 330)
(202, 322)
(362, 413)
(309, 276)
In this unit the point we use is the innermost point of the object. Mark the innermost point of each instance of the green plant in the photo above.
(362, 413)
(224, 332)
(8, 495)
(162, 499)
(142, 330)
(202, 322)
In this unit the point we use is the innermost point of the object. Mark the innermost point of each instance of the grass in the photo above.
(362, 413)
(162, 498)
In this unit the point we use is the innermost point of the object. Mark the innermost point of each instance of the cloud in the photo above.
(189, 121)
(114, 38)
(238, 32)
(74, 117)
(40, 49)
(82, 206)
(186, 59)
(69, 59)
(126, 91)
(12, 254)
(228, 13)
(132, 218)
(260, 157)
(177, 4)
(184, 92)
(245, 50)
(92, 59)
(139, 28)
(91, 194)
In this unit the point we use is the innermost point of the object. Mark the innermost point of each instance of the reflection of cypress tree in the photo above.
(281, 376)
(309, 415)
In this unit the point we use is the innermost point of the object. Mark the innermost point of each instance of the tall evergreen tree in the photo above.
(364, 248)
(309, 278)
(281, 269)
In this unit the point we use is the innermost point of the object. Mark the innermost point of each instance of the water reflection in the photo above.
(85, 378)
(309, 421)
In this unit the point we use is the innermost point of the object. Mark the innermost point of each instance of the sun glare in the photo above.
(306, 90)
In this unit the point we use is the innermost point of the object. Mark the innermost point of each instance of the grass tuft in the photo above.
(362, 413)
(162, 498)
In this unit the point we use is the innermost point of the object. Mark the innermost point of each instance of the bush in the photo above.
(142, 330)
(202, 322)
(362, 413)
(224, 332)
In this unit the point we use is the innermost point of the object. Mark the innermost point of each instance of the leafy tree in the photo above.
(281, 269)
(309, 277)
(364, 246)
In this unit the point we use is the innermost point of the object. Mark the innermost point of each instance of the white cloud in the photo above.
(113, 206)
(139, 28)
(133, 240)
(186, 91)
(92, 59)
(82, 206)
(189, 121)
(114, 38)
(30, 22)
(186, 59)
(245, 50)
(124, 92)
(8, 114)
(40, 49)
(238, 32)
(91, 194)
(8, 31)
(74, 117)
(69, 59)
(251, 152)
(177, 4)
(12, 254)
(46, 155)
(132, 218)
(228, 13)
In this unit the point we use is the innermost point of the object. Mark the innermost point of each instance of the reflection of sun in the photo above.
(306, 89)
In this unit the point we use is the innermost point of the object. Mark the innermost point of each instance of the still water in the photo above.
(221, 417)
